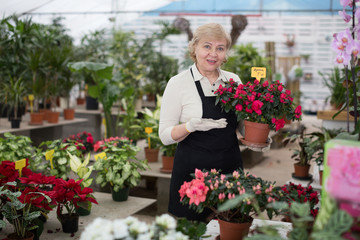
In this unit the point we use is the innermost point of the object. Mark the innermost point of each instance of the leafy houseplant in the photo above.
(120, 167)
(60, 164)
(15, 148)
(334, 82)
(210, 189)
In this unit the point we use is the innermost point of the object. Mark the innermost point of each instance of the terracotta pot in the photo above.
(167, 164)
(256, 132)
(53, 117)
(287, 121)
(80, 101)
(45, 112)
(301, 170)
(233, 231)
(36, 118)
(14, 236)
(69, 114)
(152, 155)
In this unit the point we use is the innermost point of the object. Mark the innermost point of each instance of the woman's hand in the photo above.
(204, 124)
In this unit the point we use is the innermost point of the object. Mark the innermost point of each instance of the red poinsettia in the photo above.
(8, 173)
(38, 179)
(259, 102)
(70, 193)
(36, 197)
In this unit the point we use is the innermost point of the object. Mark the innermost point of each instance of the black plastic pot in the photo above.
(69, 223)
(15, 123)
(92, 103)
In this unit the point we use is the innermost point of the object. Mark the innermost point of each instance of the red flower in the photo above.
(256, 106)
(298, 111)
(35, 197)
(279, 123)
(38, 178)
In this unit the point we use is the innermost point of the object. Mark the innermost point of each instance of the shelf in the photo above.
(328, 114)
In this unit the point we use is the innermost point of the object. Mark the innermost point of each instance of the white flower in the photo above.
(173, 235)
(138, 227)
(130, 220)
(120, 229)
(145, 236)
(166, 221)
(99, 229)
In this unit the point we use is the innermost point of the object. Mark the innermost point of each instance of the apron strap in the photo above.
(198, 85)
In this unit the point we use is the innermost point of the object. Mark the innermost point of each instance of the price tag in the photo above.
(258, 72)
(149, 130)
(101, 156)
(19, 165)
(49, 156)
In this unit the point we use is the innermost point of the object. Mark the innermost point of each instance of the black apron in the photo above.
(216, 148)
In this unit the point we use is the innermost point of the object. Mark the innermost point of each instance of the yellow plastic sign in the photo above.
(31, 99)
(104, 123)
(49, 156)
(19, 165)
(258, 72)
(149, 130)
(100, 155)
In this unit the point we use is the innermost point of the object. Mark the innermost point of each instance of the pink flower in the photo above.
(196, 192)
(236, 174)
(256, 106)
(279, 123)
(221, 196)
(239, 107)
(199, 174)
(298, 111)
(183, 189)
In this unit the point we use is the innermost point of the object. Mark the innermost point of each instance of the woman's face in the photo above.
(210, 54)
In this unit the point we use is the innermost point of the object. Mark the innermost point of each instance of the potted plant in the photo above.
(248, 196)
(292, 192)
(81, 169)
(303, 154)
(14, 92)
(69, 196)
(259, 103)
(15, 148)
(67, 82)
(83, 141)
(168, 157)
(119, 167)
(334, 82)
(58, 164)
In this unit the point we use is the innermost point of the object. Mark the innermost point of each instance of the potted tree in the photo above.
(119, 166)
(14, 92)
(67, 82)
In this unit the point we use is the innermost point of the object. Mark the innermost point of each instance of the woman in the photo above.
(189, 116)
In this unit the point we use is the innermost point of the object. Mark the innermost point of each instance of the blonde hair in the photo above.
(210, 30)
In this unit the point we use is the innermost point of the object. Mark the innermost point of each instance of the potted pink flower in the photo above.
(248, 196)
(265, 104)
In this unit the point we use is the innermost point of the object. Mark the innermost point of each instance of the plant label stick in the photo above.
(31, 99)
(258, 72)
(149, 130)
(19, 165)
(49, 156)
(101, 156)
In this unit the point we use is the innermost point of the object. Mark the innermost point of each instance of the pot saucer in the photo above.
(252, 144)
(165, 170)
(308, 178)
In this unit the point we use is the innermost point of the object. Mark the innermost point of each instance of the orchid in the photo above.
(259, 102)
(210, 189)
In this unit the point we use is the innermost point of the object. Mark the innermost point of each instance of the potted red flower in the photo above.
(258, 103)
(69, 196)
(297, 193)
(84, 141)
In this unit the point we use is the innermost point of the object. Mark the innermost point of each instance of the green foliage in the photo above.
(169, 150)
(81, 169)
(193, 229)
(13, 91)
(14, 148)
(120, 168)
(334, 82)
(61, 159)
(18, 214)
(243, 59)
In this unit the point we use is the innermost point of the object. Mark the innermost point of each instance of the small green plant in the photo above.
(169, 150)
(120, 167)
(14, 148)
(60, 164)
(334, 82)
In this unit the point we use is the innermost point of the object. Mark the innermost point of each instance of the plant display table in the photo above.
(44, 132)
(213, 229)
(107, 208)
(340, 121)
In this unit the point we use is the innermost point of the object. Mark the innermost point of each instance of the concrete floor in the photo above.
(273, 165)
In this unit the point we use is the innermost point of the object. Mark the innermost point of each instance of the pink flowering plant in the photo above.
(83, 141)
(260, 102)
(248, 195)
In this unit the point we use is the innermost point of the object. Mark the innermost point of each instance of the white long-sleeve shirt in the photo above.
(181, 100)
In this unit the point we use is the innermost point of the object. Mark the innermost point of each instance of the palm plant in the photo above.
(334, 82)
